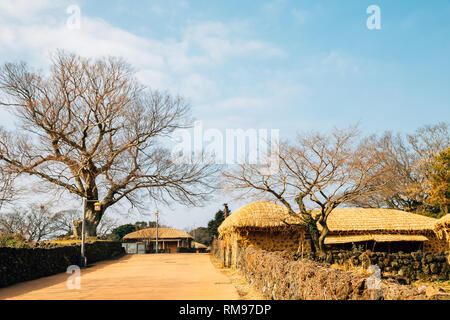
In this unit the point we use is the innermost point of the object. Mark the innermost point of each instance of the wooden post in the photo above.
(225, 210)
(157, 214)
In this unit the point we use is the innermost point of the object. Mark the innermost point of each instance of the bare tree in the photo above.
(106, 226)
(34, 223)
(322, 171)
(6, 187)
(64, 222)
(8, 191)
(95, 132)
(409, 159)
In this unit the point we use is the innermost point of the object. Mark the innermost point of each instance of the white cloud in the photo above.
(337, 61)
(244, 104)
(160, 62)
(24, 10)
(185, 65)
(199, 87)
(300, 16)
(273, 7)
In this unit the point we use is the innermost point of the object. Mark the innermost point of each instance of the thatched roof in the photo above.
(264, 214)
(163, 233)
(198, 245)
(261, 214)
(337, 239)
(442, 226)
(358, 219)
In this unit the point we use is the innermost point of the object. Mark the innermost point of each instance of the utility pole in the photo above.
(83, 261)
(157, 214)
(97, 207)
(225, 210)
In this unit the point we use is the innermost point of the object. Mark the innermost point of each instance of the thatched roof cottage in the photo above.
(269, 226)
(169, 240)
(442, 229)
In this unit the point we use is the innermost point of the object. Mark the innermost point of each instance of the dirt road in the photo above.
(143, 277)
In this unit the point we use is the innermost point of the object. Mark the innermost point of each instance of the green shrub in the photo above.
(15, 240)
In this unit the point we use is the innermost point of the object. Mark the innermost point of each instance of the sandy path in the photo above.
(143, 277)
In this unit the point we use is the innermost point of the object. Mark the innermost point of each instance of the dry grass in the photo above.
(244, 289)
(350, 267)
(443, 285)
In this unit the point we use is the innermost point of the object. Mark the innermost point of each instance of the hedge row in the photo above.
(23, 264)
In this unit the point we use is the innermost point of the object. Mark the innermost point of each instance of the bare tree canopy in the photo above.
(34, 223)
(95, 132)
(317, 170)
(7, 190)
(438, 186)
(410, 161)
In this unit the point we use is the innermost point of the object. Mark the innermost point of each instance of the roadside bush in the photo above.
(15, 240)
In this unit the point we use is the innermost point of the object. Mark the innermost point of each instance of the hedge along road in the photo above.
(141, 277)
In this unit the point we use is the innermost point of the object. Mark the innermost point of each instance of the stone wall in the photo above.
(23, 264)
(435, 245)
(272, 241)
(404, 267)
(279, 277)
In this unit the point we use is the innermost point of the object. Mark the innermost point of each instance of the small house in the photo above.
(269, 226)
(169, 240)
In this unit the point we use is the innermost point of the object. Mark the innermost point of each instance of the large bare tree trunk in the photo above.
(322, 246)
(92, 220)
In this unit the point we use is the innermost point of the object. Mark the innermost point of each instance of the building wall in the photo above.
(167, 244)
(172, 246)
(273, 241)
(282, 240)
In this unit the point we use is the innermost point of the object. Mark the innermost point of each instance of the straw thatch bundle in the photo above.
(394, 221)
(265, 214)
(260, 214)
(338, 239)
(198, 245)
(163, 233)
(442, 227)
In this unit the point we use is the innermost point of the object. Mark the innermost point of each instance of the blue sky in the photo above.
(288, 65)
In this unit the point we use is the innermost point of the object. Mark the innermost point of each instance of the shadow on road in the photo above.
(45, 282)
